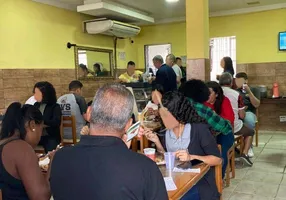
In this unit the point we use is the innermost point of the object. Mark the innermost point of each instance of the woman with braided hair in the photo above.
(189, 137)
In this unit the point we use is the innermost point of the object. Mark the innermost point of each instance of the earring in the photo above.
(33, 130)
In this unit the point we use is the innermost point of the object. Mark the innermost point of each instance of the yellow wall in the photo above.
(257, 36)
(175, 34)
(34, 35)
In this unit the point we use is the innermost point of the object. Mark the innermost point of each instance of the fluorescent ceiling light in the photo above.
(171, 1)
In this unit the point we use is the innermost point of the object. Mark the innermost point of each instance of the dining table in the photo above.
(183, 180)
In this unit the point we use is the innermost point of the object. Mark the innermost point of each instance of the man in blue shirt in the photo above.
(165, 75)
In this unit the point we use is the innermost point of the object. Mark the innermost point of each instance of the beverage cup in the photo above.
(150, 153)
(170, 160)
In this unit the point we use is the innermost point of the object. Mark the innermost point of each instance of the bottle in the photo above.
(275, 90)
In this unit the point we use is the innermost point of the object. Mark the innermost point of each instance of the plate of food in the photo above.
(160, 161)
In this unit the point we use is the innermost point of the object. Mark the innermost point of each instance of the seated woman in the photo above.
(83, 71)
(98, 69)
(187, 135)
(45, 94)
(222, 106)
(21, 177)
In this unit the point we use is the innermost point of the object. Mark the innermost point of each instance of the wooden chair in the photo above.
(218, 175)
(239, 142)
(256, 129)
(230, 165)
(144, 143)
(68, 122)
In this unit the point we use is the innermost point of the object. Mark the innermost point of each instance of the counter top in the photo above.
(273, 101)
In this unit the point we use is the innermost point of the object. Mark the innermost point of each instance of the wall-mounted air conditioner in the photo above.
(111, 28)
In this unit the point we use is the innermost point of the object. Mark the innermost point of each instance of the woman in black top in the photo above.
(197, 145)
(45, 95)
(20, 175)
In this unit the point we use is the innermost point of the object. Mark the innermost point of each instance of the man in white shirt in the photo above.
(239, 113)
(171, 62)
(74, 104)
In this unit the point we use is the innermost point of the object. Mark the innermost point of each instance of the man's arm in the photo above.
(178, 74)
(254, 96)
(122, 78)
(241, 113)
(82, 106)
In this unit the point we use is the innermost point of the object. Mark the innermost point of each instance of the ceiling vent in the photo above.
(112, 10)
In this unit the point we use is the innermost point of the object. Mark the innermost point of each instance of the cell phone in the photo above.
(185, 165)
(133, 131)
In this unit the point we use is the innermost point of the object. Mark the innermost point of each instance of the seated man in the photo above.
(74, 104)
(101, 166)
(239, 113)
(251, 99)
(131, 75)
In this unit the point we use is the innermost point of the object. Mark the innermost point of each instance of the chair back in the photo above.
(218, 175)
(68, 122)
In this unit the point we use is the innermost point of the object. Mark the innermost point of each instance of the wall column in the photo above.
(197, 26)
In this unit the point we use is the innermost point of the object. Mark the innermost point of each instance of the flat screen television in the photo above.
(282, 41)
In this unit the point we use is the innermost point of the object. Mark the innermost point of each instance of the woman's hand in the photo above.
(51, 154)
(184, 155)
(150, 135)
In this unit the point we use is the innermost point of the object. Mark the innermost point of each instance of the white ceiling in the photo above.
(160, 10)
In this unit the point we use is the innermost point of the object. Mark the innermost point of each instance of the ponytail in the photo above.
(15, 118)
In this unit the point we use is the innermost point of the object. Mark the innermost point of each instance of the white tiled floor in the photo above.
(266, 179)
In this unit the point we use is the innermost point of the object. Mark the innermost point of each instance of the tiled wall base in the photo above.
(266, 74)
(198, 69)
(17, 84)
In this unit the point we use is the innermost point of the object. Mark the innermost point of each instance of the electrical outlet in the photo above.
(282, 118)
